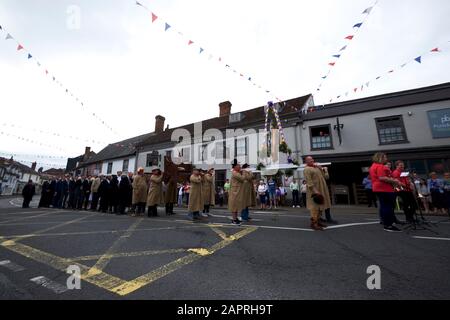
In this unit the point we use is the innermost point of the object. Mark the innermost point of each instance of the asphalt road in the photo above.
(274, 257)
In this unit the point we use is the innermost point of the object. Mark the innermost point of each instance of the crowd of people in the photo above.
(389, 185)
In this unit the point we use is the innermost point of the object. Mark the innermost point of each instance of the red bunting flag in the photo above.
(154, 17)
(435, 50)
(190, 42)
(332, 64)
(19, 47)
(356, 89)
(349, 37)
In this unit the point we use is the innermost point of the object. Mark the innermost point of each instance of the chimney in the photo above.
(33, 166)
(159, 124)
(87, 151)
(225, 108)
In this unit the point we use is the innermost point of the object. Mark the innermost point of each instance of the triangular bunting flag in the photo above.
(367, 84)
(435, 50)
(30, 56)
(368, 10)
(249, 79)
(358, 25)
(324, 77)
(403, 65)
(338, 97)
(54, 78)
(1, 28)
(349, 37)
(332, 64)
(190, 42)
(38, 63)
(418, 59)
(154, 17)
(220, 59)
(346, 94)
(201, 50)
(8, 36)
(391, 71)
(46, 71)
(167, 27)
(356, 89)
(19, 47)
(377, 78)
(337, 55)
(227, 66)
(343, 48)
(138, 3)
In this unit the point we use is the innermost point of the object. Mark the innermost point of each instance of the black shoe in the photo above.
(236, 222)
(392, 229)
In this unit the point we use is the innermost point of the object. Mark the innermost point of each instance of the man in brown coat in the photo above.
(248, 192)
(236, 202)
(208, 192)
(317, 195)
(155, 194)
(139, 192)
(195, 195)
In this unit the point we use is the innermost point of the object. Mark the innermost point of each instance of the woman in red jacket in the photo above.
(383, 186)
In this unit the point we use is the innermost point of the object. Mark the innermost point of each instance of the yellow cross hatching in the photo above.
(97, 276)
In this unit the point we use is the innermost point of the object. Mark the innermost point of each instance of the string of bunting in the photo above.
(3, 133)
(349, 40)
(202, 51)
(30, 57)
(52, 165)
(38, 156)
(418, 59)
(54, 134)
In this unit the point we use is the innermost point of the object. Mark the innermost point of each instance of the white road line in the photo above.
(229, 217)
(11, 266)
(49, 284)
(432, 238)
(351, 225)
(13, 204)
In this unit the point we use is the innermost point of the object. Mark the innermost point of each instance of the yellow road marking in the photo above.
(154, 275)
(100, 232)
(220, 233)
(106, 257)
(128, 254)
(201, 251)
(102, 280)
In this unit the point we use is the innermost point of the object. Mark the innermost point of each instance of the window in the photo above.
(241, 147)
(126, 162)
(169, 154)
(109, 170)
(152, 159)
(321, 137)
(391, 130)
(202, 149)
(186, 154)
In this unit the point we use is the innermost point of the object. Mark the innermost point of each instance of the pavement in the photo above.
(274, 257)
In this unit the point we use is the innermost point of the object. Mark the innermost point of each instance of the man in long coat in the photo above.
(170, 197)
(124, 192)
(248, 192)
(195, 195)
(236, 202)
(155, 194)
(208, 192)
(94, 190)
(139, 191)
(316, 188)
(28, 192)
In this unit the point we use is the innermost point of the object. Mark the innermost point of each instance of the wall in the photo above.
(118, 165)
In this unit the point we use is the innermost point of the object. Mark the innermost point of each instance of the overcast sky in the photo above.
(127, 69)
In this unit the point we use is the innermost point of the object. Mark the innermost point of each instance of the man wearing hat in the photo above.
(317, 198)
(208, 191)
(236, 201)
(196, 195)
(139, 192)
(248, 192)
(155, 194)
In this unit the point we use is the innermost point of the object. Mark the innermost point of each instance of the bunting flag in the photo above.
(350, 37)
(418, 59)
(20, 48)
(201, 49)
(42, 164)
